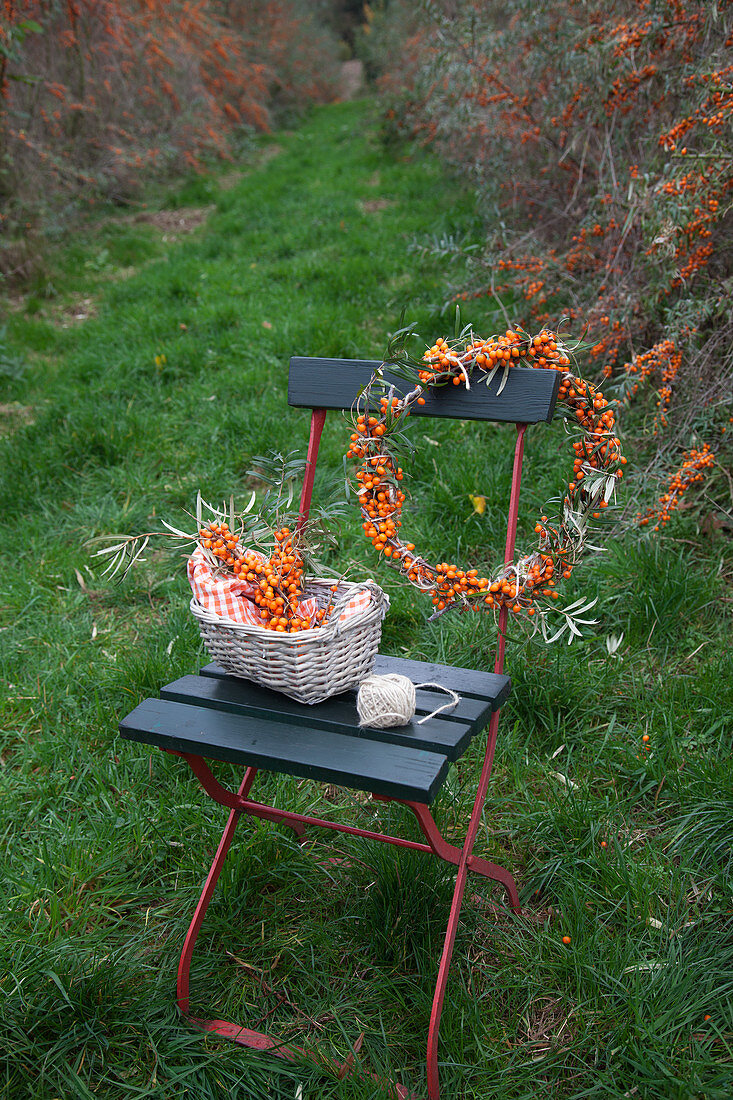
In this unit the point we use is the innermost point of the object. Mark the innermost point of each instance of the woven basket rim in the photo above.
(377, 608)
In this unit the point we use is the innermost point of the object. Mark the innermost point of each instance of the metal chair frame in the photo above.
(462, 858)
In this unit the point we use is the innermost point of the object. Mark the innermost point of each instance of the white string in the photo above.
(446, 706)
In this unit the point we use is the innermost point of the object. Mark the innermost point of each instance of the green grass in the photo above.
(106, 845)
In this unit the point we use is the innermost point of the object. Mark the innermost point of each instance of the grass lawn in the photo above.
(151, 362)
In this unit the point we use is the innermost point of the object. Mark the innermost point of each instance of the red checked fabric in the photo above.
(359, 602)
(230, 598)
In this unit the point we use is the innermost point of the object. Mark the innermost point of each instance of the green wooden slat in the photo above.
(449, 735)
(528, 396)
(467, 682)
(354, 762)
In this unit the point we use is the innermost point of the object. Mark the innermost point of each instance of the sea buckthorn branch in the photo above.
(277, 583)
(694, 462)
(663, 360)
(263, 549)
(528, 585)
(663, 363)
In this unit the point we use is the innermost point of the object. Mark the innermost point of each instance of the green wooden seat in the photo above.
(221, 717)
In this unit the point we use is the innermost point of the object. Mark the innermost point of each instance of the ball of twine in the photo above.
(386, 701)
(389, 700)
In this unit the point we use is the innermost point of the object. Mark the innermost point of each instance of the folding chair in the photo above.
(217, 716)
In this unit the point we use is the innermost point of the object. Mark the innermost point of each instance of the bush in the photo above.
(95, 92)
(594, 136)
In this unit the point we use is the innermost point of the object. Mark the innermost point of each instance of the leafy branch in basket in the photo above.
(252, 526)
(282, 473)
(125, 551)
(264, 547)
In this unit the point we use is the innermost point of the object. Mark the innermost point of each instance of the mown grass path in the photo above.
(159, 368)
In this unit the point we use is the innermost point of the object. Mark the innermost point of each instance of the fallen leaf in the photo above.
(564, 780)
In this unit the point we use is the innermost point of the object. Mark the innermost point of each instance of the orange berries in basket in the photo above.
(277, 582)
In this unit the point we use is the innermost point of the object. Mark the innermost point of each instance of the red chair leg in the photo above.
(184, 966)
(441, 983)
(463, 858)
(467, 862)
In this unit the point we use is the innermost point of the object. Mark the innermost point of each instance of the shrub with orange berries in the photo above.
(598, 138)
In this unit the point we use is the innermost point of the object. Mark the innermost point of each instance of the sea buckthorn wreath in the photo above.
(529, 584)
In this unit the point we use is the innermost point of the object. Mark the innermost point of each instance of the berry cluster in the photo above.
(691, 471)
(276, 583)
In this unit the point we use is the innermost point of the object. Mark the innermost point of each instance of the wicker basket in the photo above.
(310, 665)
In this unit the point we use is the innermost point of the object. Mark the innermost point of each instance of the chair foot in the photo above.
(498, 874)
(257, 1040)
